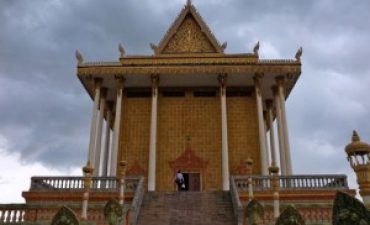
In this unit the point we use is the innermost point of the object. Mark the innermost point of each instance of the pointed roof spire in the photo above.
(355, 136)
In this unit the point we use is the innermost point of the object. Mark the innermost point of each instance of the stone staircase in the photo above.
(186, 208)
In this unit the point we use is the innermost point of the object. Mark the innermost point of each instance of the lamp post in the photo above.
(358, 155)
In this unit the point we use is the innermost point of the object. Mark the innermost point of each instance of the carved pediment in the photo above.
(290, 216)
(188, 160)
(188, 34)
(347, 210)
(114, 213)
(255, 212)
(136, 170)
(189, 38)
(239, 169)
(65, 216)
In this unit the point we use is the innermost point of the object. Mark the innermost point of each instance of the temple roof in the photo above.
(189, 56)
(188, 34)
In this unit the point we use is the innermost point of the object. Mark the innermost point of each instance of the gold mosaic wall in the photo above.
(135, 128)
(243, 132)
(198, 117)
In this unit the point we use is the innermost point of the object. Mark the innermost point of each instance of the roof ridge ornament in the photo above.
(256, 48)
(298, 55)
(223, 46)
(79, 57)
(121, 50)
(154, 47)
(188, 3)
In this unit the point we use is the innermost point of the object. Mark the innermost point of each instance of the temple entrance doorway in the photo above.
(192, 181)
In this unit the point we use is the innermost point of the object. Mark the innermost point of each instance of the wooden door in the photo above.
(194, 182)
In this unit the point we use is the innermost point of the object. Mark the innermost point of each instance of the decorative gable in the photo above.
(189, 38)
(188, 34)
(188, 160)
(136, 170)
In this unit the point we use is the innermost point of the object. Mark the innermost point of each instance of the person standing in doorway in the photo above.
(180, 181)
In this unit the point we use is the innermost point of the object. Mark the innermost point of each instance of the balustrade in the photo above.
(293, 182)
(12, 213)
(76, 183)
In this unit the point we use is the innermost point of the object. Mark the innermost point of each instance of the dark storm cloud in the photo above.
(45, 113)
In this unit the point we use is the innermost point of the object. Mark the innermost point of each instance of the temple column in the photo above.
(110, 157)
(265, 126)
(281, 90)
(99, 133)
(153, 135)
(90, 157)
(106, 144)
(225, 149)
(261, 125)
(117, 126)
(272, 133)
(280, 131)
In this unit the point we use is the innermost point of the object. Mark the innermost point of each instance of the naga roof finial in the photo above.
(79, 57)
(223, 46)
(154, 48)
(299, 54)
(256, 48)
(121, 50)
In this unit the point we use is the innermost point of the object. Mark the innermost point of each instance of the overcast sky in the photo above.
(45, 112)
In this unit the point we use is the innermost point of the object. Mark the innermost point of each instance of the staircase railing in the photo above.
(237, 205)
(136, 202)
(309, 182)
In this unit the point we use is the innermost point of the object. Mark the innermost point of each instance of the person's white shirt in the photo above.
(179, 177)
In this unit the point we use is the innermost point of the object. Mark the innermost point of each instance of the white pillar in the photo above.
(272, 132)
(106, 144)
(280, 132)
(285, 126)
(225, 149)
(153, 135)
(267, 152)
(117, 127)
(99, 135)
(90, 157)
(261, 126)
(110, 157)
